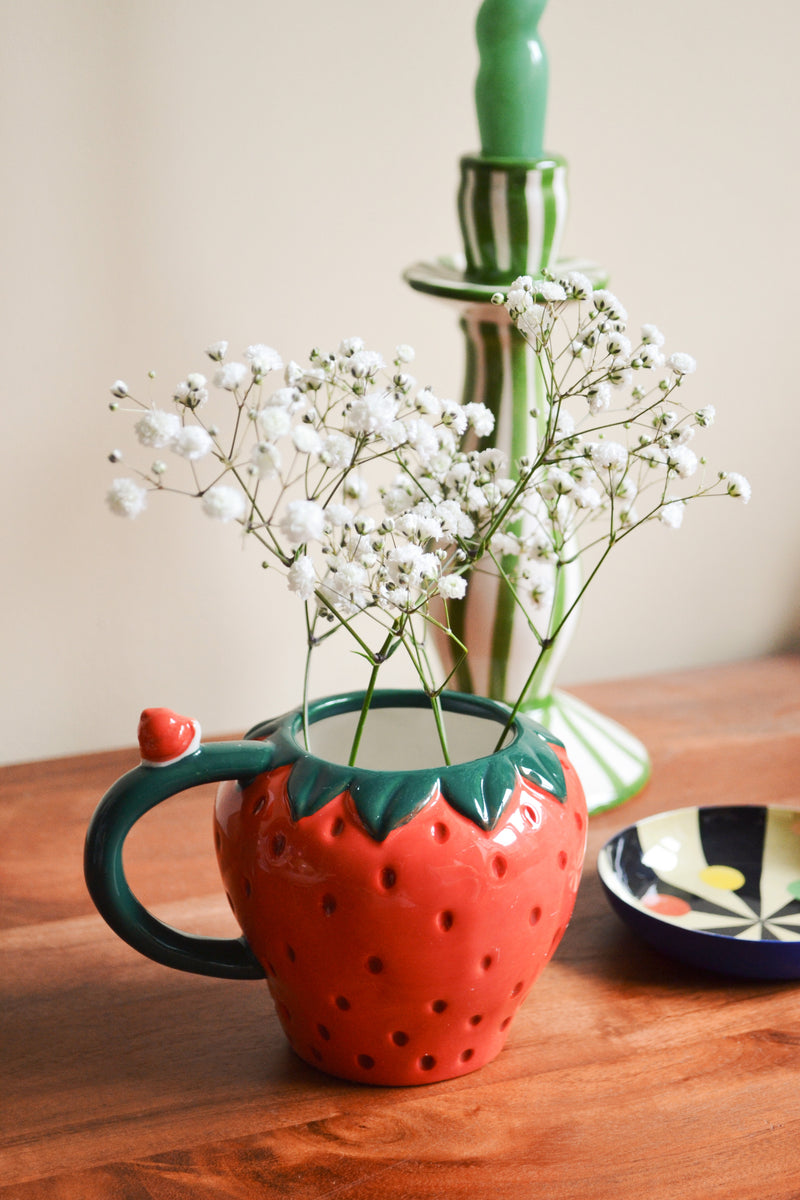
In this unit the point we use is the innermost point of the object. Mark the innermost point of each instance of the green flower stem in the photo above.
(462, 670)
(362, 719)
(240, 404)
(459, 659)
(344, 622)
(419, 657)
(434, 695)
(516, 597)
(436, 705)
(548, 643)
(344, 471)
(377, 662)
(310, 644)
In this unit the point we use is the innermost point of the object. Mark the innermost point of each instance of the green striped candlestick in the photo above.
(512, 205)
(512, 215)
(511, 87)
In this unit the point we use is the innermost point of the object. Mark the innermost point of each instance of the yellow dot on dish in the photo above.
(727, 879)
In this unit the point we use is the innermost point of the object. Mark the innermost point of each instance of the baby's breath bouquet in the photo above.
(377, 501)
(291, 466)
(613, 448)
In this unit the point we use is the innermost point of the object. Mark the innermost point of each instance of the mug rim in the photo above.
(325, 707)
(477, 788)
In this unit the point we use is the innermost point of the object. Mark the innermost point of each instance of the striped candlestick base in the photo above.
(512, 215)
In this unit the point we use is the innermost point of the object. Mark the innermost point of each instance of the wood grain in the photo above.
(626, 1075)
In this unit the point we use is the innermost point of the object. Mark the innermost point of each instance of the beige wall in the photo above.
(176, 171)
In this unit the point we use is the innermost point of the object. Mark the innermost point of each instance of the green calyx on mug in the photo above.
(384, 799)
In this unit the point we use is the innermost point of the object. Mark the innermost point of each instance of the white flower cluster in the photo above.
(376, 499)
(614, 438)
(293, 474)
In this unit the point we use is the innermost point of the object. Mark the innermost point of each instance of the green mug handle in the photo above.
(125, 802)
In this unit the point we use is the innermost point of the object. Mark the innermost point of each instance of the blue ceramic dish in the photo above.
(715, 887)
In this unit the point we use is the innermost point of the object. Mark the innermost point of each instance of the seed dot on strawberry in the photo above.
(374, 965)
(486, 962)
(536, 914)
(278, 845)
(499, 865)
(324, 1033)
(445, 921)
(328, 904)
(290, 954)
(515, 991)
(337, 828)
(388, 878)
(440, 832)
(427, 1062)
(476, 1020)
(343, 1003)
(365, 1061)
(466, 1055)
(399, 1038)
(505, 1024)
(439, 1006)
(562, 859)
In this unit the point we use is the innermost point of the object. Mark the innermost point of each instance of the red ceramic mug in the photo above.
(399, 912)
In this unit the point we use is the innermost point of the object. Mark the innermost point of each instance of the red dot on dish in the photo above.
(668, 906)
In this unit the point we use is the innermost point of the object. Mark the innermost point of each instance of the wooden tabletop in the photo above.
(625, 1074)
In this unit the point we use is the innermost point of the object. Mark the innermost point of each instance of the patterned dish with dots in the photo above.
(715, 887)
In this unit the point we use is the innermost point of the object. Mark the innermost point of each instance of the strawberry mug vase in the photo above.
(399, 910)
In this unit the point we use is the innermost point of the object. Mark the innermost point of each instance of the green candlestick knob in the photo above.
(511, 88)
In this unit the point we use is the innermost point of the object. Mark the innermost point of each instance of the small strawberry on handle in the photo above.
(166, 737)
